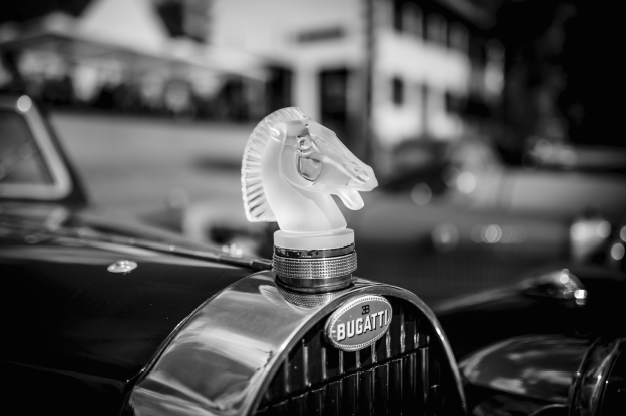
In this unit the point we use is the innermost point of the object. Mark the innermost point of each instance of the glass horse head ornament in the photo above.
(291, 167)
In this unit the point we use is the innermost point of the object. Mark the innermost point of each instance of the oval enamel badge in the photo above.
(358, 323)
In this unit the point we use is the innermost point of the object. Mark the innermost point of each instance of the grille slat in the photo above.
(425, 373)
(324, 366)
(395, 387)
(396, 330)
(333, 364)
(410, 333)
(393, 376)
(380, 350)
(295, 369)
(333, 399)
(409, 382)
(315, 402)
(381, 389)
(305, 366)
(351, 361)
(365, 357)
(297, 405)
(365, 392)
(349, 395)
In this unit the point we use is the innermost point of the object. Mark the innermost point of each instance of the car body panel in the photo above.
(538, 366)
(72, 325)
(511, 311)
(525, 346)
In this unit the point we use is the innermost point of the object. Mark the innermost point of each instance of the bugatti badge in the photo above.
(358, 323)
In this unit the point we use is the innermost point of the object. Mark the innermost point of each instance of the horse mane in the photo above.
(255, 203)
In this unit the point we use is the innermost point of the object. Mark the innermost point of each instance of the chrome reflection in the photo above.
(224, 355)
(303, 301)
(122, 266)
(307, 300)
(556, 284)
(541, 366)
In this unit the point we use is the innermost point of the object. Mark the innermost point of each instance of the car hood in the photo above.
(475, 321)
(64, 311)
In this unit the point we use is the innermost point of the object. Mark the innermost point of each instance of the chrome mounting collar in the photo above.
(315, 271)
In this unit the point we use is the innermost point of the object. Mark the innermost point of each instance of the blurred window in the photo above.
(412, 19)
(458, 38)
(455, 104)
(320, 35)
(397, 15)
(333, 85)
(20, 159)
(477, 51)
(398, 91)
(437, 29)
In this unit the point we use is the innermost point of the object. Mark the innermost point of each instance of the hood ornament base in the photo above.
(315, 271)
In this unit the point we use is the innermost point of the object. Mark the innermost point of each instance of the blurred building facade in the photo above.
(381, 73)
(417, 70)
(142, 57)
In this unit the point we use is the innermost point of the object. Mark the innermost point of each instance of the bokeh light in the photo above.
(466, 182)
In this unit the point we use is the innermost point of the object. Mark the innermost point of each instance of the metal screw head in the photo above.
(122, 266)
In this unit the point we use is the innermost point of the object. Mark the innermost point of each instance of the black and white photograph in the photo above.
(312, 207)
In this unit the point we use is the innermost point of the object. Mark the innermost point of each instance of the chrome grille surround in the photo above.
(400, 374)
(223, 359)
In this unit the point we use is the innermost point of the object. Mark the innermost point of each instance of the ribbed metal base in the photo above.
(315, 271)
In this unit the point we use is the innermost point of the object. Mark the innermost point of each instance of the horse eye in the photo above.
(309, 168)
(304, 143)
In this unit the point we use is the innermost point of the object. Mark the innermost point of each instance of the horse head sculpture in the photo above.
(291, 166)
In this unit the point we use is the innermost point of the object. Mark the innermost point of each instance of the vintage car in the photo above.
(104, 315)
(552, 340)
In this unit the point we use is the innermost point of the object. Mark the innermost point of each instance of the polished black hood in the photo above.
(66, 317)
(534, 307)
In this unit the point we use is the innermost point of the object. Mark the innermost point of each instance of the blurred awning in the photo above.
(126, 32)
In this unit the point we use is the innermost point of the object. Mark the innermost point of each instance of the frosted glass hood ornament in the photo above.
(291, 167)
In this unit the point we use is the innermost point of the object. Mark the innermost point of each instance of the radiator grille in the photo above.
(398, 375)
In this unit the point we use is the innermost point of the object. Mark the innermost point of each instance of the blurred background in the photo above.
(494, 126)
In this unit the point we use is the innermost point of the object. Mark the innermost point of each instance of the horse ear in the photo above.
(255, 203)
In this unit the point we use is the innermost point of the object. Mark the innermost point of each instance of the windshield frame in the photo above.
(61, 185)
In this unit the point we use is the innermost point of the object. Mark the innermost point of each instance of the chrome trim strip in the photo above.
(226, 354)
(592, 376)
(62, 183)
